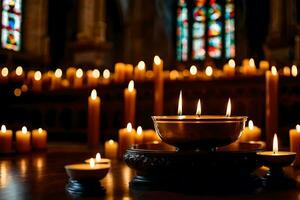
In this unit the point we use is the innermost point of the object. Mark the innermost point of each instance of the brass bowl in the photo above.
(189, 132)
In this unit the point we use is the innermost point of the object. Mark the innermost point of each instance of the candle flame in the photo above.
(298, 128)
(179, 110)
(24, 130)
(131, 86)
(139, 130)
(94, 94)
(79, 73)
(37, 75)
(273, 70)
(3, 128)
(275, 144)
(209, 71)
(228, 109)
(250, 125)
(129, 127)
(111, 141)
(157, 60)
(231, 63)
(19, 71)
(193, 70)
(252, 63)
(92, 162)
(294, 71)
(58, 73)
(198, 111)
(96, 73)
(141, 65)
(98, 157)
(106, 74)
(4, 72)
(40, 130)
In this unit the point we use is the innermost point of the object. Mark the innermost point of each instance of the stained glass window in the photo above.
(212, 30)
(182, 31)
(11, 24)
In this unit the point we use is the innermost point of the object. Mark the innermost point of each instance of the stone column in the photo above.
(100, 24)
(86, 19)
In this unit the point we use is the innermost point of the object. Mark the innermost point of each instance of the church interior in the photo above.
(162, 98)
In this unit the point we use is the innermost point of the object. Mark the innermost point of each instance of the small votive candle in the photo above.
(295, 143)
(23, 140)
(250, 133)
(39, 139)
(138, 139)
(5, 140)
(99, 160)
(111, 149)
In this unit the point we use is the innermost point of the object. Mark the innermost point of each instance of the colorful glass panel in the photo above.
(182, 31)
(11, 24)
(229, 29)
(199, 15)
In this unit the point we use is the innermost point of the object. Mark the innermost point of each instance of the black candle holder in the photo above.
(91, 187)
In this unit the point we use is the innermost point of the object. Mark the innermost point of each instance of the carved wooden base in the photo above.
(76, 188)
(276, 179)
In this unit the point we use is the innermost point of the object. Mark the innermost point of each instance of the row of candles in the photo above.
(77, 78)
(25, 140)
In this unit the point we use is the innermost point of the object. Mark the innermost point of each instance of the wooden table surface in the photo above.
(42, 176)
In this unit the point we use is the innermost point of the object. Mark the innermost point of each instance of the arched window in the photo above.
(11, 24)
(205, 28)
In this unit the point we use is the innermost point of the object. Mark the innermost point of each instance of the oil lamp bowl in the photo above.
(190, 132)
(280, 159)
(84, 172)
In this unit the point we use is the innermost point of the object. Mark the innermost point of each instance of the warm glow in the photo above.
(19, 71)
(228, 109)
(231, 63)
(3, 128)
(273, 70)
(174, 74)
(24, 130)
(198, 111)
(111, 141)
(106, 73)
(129, 127)
(24, 88)
(275, 144)
(17, 92)
(79, 73)
(298, 128)
(251, 63)
(294, 71)
(94, 94)
(96, 73)
(157, 60)
(98, 157)
(141, 65)
(131, 86)
(92, 162)
(139, 130)
(179, 110)
(250, 125)
(209, 71)
(4, 72)
(37, 75)
(40, 130)
(58, 73)
(193, 70)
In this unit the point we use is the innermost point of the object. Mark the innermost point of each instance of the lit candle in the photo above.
(228, 108)
(56, 81)
(23, 140)
(250, 133)
(128, 71)
(179, 108)
(294, 71)
(4, 75)
(93, 120)
(70, 75)
(93, 77)
(39, 139)
(229, 69)
(286, 71)
(150, 136)
(295, 143)
(126, 139)
(129, 103)
(111, 149)
(78, 78)
(264, 65)
(18, 74)
(158, 76)
(106, 77)
(198, 110)
(37, 82)
(174, 75)
(193, 72)
(271, 104)
(119, 72)
(98, 160)
(30, 77)
(209, 71)
(140, 71)
(250, 68)
(5, 140)
(139, 136)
